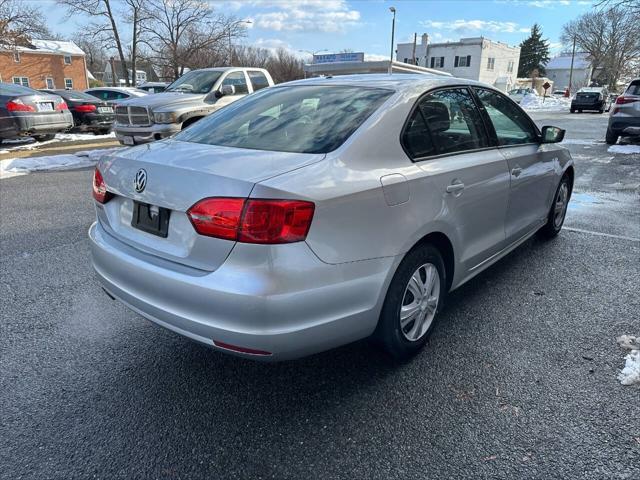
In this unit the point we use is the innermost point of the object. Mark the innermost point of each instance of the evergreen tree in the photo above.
(534, 53)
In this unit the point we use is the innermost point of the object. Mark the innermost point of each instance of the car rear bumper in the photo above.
(624, 125)
(39, 123)
(279, 299)
(146, 134)
(587, 106)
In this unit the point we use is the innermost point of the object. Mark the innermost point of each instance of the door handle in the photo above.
(455, 187)
(516, 171)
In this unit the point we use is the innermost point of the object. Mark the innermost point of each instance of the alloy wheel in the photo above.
(420, 302)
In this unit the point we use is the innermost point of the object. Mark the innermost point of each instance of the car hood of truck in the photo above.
(165, 101)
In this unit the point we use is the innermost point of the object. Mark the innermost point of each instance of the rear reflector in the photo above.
(235, 348)
(18, 106)
(261, 221)
(100, 192)
(85, 108)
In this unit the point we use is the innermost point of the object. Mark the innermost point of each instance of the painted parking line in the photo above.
(601, 234)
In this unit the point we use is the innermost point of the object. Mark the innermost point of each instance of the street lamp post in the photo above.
(248, 22)
(393, 31)
(312, 54)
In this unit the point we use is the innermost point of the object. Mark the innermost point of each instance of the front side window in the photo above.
(451, 121)
(511, 124)
(238, 80)
(258, 80)
(68, 83)
(301, 119)
(196, 81)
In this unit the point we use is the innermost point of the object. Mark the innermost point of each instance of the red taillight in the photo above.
(235, 348)
(252, 220)
(85, 108)
(18, 106)
(62, 106)
(100, 192)
(622, 100)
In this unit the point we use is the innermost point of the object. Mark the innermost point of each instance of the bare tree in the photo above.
(610, 37)
(179, 32)
(632, 5)
(19, 23)
(95, 50)
(284, 66)
(105, 26)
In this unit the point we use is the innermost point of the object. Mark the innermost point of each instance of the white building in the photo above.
(477, 58)
(559, 68)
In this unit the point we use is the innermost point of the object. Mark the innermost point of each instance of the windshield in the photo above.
(198, 81)
(301, 119)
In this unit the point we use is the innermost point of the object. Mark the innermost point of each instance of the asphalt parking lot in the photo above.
(518, 379)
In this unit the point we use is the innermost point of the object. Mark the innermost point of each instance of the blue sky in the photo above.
(362, 25)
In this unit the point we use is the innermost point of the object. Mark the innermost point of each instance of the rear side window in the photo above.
(446, 121)
(634, 88)
(258, 80)
(238, 80)
(511, 124)
(301, 119)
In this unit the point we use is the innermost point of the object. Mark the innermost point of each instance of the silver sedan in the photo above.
(323, 211)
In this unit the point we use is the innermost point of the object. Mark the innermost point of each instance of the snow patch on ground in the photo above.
(630, 374)
(28, 143)
(577, 141)
(625, 149)
(21, 166)
(551, 104)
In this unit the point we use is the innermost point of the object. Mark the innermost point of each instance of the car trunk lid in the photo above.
(179, 174)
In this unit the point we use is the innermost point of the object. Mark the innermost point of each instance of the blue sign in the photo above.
(339, 57)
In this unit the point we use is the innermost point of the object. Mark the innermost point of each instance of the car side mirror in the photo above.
(552, 134)
(225, 90)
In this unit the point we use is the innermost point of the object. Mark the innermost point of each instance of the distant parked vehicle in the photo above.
(624, 119)
(113, 95)
(153, 87)
(27, 112)
(558, 93)
(89, 113)
(591, 98)
(518, 94)
(193, 96)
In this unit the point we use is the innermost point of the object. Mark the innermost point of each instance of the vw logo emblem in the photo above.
(140, 181)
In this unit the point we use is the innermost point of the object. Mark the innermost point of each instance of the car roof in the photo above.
(406, 82)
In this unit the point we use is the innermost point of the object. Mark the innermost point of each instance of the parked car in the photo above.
(27, 112)
(559, 93)
(114, 95)
(273, 235)
(89, 113)
(193, 96)
(591, 98)
(624, 118)
(517, 94)
(153, 87)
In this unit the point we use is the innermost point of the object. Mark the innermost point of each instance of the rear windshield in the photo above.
(588, 95)
(301, 119)
(634, 88)
(74, 95)
(13, 89)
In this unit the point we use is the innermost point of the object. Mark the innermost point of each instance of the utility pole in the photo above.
(413, 55)
(393, 31)
(573, 54)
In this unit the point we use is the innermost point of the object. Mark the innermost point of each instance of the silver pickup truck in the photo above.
(194, 95)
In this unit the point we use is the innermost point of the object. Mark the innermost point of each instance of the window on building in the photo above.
(462, 61)
(238, 81)
(510, 66)
(437, 62)
(50, 84)
(24, 81)
(67, 59)
(16, 57)
(68, 83)
(491, 63)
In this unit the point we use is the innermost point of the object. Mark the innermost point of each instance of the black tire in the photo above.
(610, 137)
(103, 131)
(554, 225)
(573, 110)
(389, 332)
(579, 111)
(44, 138)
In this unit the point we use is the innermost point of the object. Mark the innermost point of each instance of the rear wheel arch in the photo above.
(190, 121)
(440, 241)
(570, 172)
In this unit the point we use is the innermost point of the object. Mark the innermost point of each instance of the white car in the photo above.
(518, 94)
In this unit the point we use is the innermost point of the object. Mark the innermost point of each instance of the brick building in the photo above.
(45, 64)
